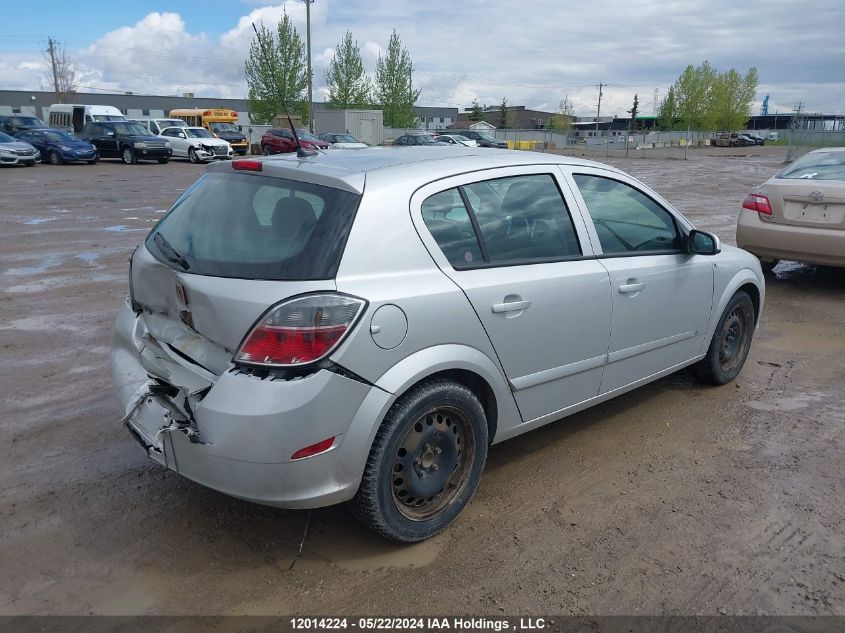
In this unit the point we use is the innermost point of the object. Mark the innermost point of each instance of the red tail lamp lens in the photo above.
(314, 449)
(300, 331)
(757, 202)
(247, 165)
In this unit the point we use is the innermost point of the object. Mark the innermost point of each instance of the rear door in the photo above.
(662, 296)
(508, 239)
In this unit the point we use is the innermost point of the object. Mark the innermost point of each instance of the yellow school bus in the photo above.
(221, 122)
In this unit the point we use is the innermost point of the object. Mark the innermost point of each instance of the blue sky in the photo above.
(534, 53)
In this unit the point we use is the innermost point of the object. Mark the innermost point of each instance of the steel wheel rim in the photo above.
(734, 338)
(432, 465)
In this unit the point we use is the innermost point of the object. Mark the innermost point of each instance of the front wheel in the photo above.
(265, 149)
(192, 155)
(128, 156)
(425, 462)
(730, 344)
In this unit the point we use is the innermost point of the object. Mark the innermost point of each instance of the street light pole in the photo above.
(310, 74)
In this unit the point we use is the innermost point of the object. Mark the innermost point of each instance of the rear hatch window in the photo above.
(255, 227)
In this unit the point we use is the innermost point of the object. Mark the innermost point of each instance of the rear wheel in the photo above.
(730, 343)
(55, 158)
(425, 462)
(128, 156)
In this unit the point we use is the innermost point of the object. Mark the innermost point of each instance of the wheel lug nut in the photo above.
(435, 466)
(438, 450)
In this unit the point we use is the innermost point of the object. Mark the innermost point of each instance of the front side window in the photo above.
(627, 221)
(520, 219)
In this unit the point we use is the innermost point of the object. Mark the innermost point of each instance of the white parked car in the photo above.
(457, 139)
(197, 144)
(342, 141)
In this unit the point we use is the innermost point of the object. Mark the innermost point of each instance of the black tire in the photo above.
(730, 343)
(55, 158)
(94, 162)
(127, 155)
(769, 266)
(265, 149)
(425, 462)
(163, 161)
(192, 155)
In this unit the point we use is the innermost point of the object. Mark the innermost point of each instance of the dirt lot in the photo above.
(672, 499)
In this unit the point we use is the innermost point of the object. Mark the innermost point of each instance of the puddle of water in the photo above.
(354, 548)
(794, 403)
(39, 220)
(120, 228)
(88, 258)
(38, 269)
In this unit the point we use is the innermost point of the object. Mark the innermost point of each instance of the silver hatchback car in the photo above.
(361, 326)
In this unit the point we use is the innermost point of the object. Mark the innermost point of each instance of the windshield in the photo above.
(223, 127)
(458, 137)
(125, 128)
(109, 117)
(5, 138)
(486, 137)
(305, 135)
(163, 123)
(425, 139)
(28, 121)
(345, 138)
(817, 166)
(198, 132)
(255, 227)
(61, 137)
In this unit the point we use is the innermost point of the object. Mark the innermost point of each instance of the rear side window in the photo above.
(449, 223)
(626, 220)
(256, 227)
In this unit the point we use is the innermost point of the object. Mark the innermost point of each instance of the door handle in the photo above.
(511, 306)
(635, 287)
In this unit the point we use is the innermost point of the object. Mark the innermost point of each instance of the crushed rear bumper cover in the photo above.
(238, 435)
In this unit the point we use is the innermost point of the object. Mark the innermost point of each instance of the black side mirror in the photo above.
(703, 243)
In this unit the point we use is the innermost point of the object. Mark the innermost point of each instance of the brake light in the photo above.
(314, 449)
(247, 165)
(757, 202)
(300, 331)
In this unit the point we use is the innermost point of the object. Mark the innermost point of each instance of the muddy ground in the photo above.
(672, 499)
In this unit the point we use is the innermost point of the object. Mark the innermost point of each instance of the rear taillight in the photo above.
(757, 202)
(247, 165)
(300, 331)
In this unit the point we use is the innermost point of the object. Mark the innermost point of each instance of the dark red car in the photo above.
(280, 141)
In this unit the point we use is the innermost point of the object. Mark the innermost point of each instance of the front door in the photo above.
(662, 296)
(524, 263)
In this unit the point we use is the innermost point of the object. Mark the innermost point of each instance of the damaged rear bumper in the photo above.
(237, 433)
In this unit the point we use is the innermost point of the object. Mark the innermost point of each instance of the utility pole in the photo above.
(52, 49)
(598, 110)
(310, 77)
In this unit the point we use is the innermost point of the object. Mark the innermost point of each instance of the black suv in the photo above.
(126, 140)
(484, 139)
(11, 124)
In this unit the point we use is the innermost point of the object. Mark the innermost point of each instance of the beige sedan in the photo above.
(799, 213)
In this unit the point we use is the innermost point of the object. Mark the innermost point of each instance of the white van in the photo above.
(74, 116)
(155, 126)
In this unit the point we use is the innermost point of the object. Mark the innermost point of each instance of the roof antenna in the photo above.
(301, 152)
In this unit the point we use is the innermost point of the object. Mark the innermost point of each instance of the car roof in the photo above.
(387, 165)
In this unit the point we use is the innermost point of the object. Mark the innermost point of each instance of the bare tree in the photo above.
(61, 75)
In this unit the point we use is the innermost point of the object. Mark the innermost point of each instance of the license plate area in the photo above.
(812, 213)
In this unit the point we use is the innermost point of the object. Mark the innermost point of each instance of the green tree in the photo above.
(694, 96)
(634, 111)
(475, 113)
(349, 86)
(732, 98)
(503, 114)
(563, 118)
(276, 72)
(668, 112)
(393, 85)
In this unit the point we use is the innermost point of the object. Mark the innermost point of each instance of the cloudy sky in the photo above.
(533, 52)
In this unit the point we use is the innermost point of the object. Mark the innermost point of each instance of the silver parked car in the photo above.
(361, 326)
